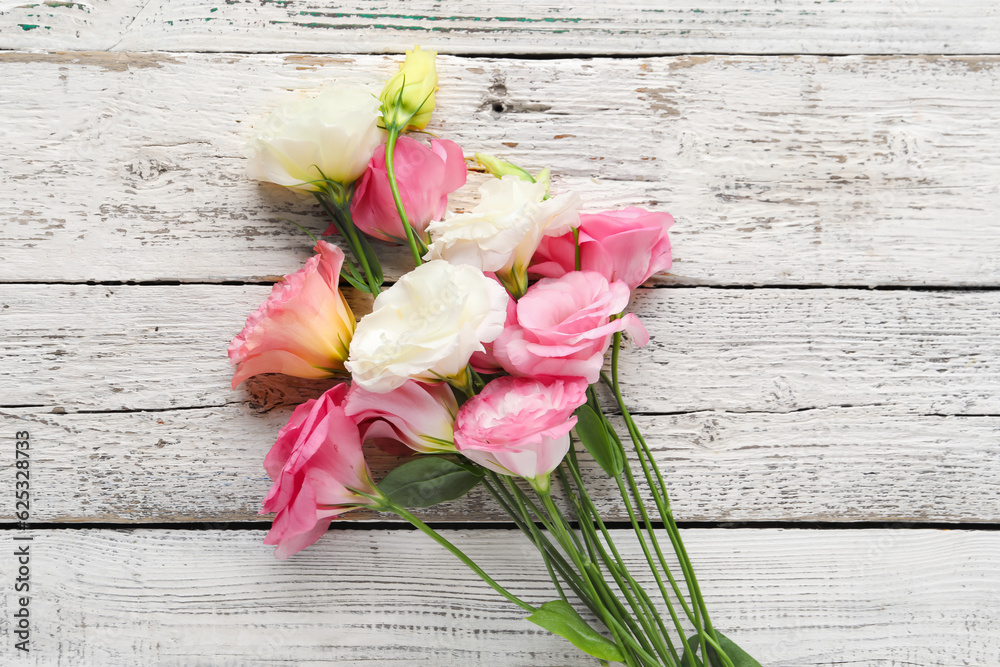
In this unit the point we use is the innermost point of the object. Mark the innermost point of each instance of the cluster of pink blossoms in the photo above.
(469, 308)
(551, 347)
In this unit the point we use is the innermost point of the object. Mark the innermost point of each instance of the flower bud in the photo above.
(501, 168)
(408, 97)
(545, 178)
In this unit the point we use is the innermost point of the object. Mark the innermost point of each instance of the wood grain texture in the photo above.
(831, 405)
(129, 347)
(834, 464)
(632, 27)
(779, 170)
(798, 598)
(126, 163)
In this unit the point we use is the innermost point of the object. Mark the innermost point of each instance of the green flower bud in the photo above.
(408, 97)
(501, 168)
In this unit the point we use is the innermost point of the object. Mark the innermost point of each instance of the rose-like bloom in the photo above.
(333, 134)
(425, 176)
(315, 464)
(502, 232)
(630, 245)
(426, 326)
(417, 78)
(418, 415)
(520, 426)
(564, 327)
(303, 329)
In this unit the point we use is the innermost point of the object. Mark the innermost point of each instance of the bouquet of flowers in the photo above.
(485, 377)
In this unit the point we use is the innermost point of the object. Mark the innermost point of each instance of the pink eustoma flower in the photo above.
(303, 329)
(425, 177)
(630, 245)
(563, 327)
(520, 426)
(315, 464)
(415, 414)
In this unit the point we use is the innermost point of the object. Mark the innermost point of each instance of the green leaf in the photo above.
(736, 655)
(427, 481)
(559, 618)
(693, 643)
(465, 464)
(591, 431)
(373, 264)
(350, 274)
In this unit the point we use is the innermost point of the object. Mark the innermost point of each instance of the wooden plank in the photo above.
(113, 348)
(792, 598)
(764, 379)
(834, 464)
(779, 170)
(520, 27)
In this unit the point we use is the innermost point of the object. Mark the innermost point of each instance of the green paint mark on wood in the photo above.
(27, 26)
(388, 26)
(417, 17)
(398, 27)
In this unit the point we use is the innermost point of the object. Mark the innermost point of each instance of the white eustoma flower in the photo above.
(426, 326)
(503, 231)
(335, 132)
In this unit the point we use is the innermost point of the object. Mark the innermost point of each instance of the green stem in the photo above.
(649, 530)
(692, 616)
(597, 553)
(388, 505)
(341, 215)
(673, 582)
(557, 527)
(642, 611)
(693, 611)
(355, 242)
(390, 150)
(581, 583)
(663, 505)
(508, 502)
(609, 600)
(523, 521)
(719, 652)
(620, 633)
(547, 521)
(576, 248)
(620, 571)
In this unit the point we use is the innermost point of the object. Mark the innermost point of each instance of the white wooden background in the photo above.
(821, 388)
